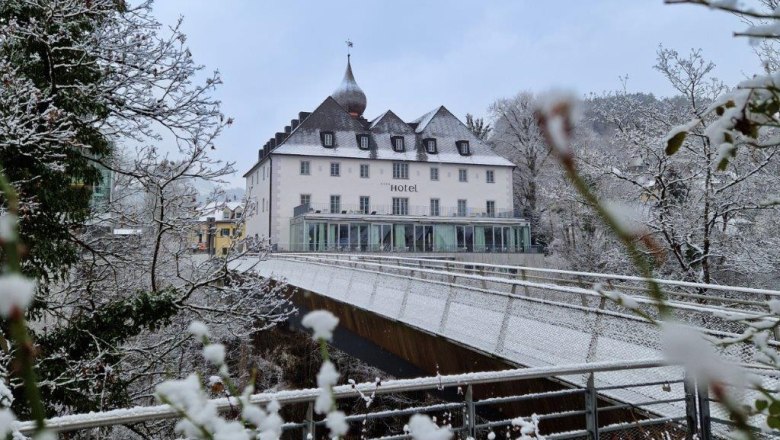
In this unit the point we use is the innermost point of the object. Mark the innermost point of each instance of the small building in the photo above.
(333, 180)
(219, 227)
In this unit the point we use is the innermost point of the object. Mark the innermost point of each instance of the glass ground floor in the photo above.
(406, 234)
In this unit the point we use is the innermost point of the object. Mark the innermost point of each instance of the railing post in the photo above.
(308, 430)
(690, 408)
(705, 430)
(591, 409)
(470, 412)
(525, 278)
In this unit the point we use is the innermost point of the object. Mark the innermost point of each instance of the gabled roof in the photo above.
(329, 116)
(421, 122)
(447, 129)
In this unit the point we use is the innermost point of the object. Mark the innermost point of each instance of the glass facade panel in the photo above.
(362, 236)
(445, 238)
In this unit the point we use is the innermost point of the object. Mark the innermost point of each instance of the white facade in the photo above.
(333, 180)
(380, 187)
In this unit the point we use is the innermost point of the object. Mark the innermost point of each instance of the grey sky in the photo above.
(410, 56)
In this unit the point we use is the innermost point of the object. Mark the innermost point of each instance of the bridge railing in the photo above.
(471, 409)
(711, 299)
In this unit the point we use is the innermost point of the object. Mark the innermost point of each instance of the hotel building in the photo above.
(335, 181)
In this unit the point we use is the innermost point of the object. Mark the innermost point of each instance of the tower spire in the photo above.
(348, 94)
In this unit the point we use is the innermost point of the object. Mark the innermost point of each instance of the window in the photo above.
(363, 142)
(491, 208)
(462, 209)
(435, 207)
(398, 143)
(305, 199)
(263, 204)
(434, 173)
(364, 170)
(365, 206)
(335, 169)
(335, 204)
(463, 148)
(490, 176)
(430, 145)
(463, 175)
(327, 139)
(225, 232)
(400, 206)
(400, 170)
(305, 168)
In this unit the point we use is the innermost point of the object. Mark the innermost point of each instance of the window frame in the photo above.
(337, 199)
(463, 212)
(393, 140)
(337, 168)
(367, 208)
(364, 166)
(324, 135)
(400, 205)
(435, 171)
(435, 212)
(307, 165)
(490, 176)
(488, 205)
(464, 147)
(403, 171)
(360, 137)
(463, 175)
(427, 143)
(308, 198)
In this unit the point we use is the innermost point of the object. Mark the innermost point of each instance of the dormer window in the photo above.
(398, 144)
(430, 146)
(327, 139)
(362, 140)
(463, 148)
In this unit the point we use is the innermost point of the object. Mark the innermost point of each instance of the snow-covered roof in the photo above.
(217, 210)
(305, 139)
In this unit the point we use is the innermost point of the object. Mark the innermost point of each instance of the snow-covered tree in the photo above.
(102, 82)
(712, 223)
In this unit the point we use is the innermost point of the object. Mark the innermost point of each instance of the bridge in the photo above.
(498, 342)
(460, 316)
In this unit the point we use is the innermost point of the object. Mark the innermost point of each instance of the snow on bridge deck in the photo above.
(497, 310)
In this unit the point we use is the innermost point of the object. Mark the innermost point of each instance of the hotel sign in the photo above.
(401, 188)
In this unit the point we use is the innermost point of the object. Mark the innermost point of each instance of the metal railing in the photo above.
(470, 418)
(696, 295)
(415, 210)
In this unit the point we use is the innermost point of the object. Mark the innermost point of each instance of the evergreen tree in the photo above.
(478, 126)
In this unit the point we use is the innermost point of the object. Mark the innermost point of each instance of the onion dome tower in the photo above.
(349, 95)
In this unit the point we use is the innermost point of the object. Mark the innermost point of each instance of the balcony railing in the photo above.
(416, 210)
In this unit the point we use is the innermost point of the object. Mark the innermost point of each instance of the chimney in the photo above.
(287, 130)
(272, 143)
(279, 137)
(294, 123)
(303, 115)
(260, 154)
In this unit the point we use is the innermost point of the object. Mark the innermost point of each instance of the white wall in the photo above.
(258, 186)
(289, 184)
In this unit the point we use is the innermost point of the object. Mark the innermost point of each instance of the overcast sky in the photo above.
(279, 58)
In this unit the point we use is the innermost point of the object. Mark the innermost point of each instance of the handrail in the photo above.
(547, 270)
(681, 305)
(159, 412)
